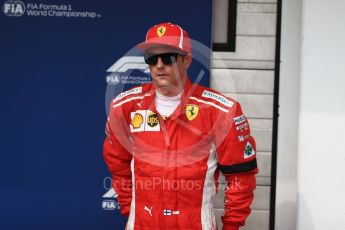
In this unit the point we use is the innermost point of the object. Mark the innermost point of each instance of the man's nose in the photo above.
(160, 63)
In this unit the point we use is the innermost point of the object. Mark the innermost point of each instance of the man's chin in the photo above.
(164, 84)
(167, 89)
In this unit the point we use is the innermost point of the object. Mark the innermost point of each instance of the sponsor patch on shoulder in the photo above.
(221, 99)
(128, 92)
(240, 119)
(248, 151)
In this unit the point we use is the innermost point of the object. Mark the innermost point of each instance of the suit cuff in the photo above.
(125, 210)
(230, 227)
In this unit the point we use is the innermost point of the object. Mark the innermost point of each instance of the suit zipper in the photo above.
(162, 123)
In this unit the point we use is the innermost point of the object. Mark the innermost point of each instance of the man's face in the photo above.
(169, 79)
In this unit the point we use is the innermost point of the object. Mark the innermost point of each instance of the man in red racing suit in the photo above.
(165, 168)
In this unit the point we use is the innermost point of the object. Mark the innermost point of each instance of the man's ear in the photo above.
(188, 60)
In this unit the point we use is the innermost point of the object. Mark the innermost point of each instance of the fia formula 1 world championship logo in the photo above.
(110, 201)
(13, 8)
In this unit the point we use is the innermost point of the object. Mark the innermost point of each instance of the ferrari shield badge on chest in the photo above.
(192, 111)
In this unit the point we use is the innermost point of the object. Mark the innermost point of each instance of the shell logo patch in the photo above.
(192, 111)
(161, 31)
(137, 120)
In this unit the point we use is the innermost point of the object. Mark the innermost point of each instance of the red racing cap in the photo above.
(167, 34)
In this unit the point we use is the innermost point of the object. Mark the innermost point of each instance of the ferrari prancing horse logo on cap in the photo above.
(192, 111)
(161, 31)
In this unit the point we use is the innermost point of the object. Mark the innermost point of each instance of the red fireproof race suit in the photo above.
(165, 170)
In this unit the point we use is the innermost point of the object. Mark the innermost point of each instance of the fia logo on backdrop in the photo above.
(13, 8)
(121, 71)
(110, 201)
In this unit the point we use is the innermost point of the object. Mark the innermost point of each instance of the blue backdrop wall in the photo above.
(53, 91)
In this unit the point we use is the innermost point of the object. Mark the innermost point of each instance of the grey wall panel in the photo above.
(263, 181)
(261, 124)
(255, 105)
(242, 81)
(264, 164)
(242, 64)
(263, 24)
(250, 48)
(261, 130)
(256, 7)
(257, 1)
(263, 139)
